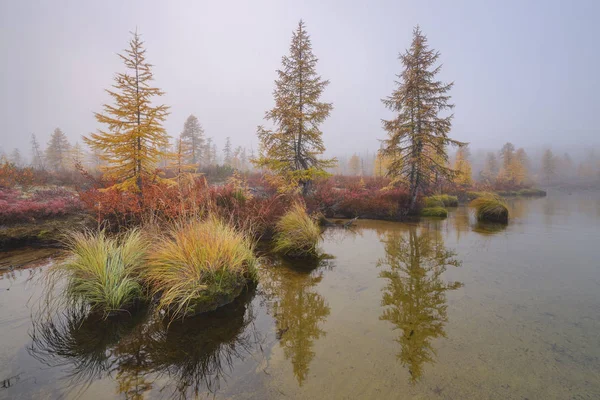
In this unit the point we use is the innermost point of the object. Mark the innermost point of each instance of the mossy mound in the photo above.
(441, 200)
(491, 208)
(297, 234)
(438, 212)
(198, 266)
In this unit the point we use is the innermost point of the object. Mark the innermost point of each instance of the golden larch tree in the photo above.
(463, 167)
(354, 164)
(293, 148)
(134, 139)
(381, 165)
(418, 135)
(57, 152)
(192, 137)
(507, 154)
(519, 167)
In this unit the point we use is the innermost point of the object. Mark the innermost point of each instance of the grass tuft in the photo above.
(491, 207)
(439, 212)
(200, 265)
(297, 233)
(102, 272)
(441, 200)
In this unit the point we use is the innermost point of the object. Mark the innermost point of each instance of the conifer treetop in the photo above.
(418, 134)
(295, 143)
(134, 139)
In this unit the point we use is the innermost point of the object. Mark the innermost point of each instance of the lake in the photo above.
(448, 309)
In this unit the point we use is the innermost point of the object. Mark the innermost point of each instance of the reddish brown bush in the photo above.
(12, 176)
(15, 207)
(256, 210)
(355, 197)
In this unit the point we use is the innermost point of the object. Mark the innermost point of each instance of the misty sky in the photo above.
(524, 71)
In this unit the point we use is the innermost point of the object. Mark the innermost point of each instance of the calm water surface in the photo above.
(437, 310)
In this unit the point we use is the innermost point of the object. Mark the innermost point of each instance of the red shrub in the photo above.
(11, 176)
(15, 207)
(256, 210)
(355, 197)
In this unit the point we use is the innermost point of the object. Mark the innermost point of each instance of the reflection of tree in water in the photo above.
(298, 310)
(415, 295)
(195, 355)
(462, 221)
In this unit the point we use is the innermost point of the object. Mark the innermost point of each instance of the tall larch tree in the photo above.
(57, 152)
(490, 169)
(548, 166)
(507, 154)
(520, 167)
(133, 141)
(37, 155)
(354, 164)
(463, 167)
(192, 138)
(293, 149)
(227, 152)
(418, 134)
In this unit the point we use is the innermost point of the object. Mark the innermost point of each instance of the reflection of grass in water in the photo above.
(195, 354)
(489, 228)
(199, 352)
(414, 297)
(79, 342)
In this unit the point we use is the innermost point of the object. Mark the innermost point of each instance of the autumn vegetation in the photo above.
(102, 272)
(490, 208)
(199, 265)
(204, 211)
(297, 233)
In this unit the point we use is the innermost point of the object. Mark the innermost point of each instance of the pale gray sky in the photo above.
(524, 71)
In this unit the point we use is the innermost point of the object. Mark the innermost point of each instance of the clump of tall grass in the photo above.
(102, 272)
(439, 212)
(490, 207)
(441, 200)
(199, 265)
(297, 234)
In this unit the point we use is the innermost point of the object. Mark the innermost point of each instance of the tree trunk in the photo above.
(305, 187)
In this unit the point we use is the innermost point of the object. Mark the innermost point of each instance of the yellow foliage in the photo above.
(133, 142)
(292, 149)
(463, 168)
(354, 165)
(382, 164)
